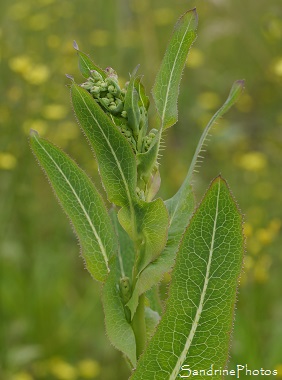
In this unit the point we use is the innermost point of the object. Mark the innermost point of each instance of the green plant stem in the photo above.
(139, 326)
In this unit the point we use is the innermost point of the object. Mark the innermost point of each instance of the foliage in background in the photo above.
(47, 301)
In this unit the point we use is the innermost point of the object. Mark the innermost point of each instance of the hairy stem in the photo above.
(139, 326)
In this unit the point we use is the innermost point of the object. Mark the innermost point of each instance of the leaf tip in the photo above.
(70, 77)
(75, 45)
(33, 133)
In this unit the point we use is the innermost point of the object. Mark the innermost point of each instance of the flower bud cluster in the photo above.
(147, 141)
(106, 91)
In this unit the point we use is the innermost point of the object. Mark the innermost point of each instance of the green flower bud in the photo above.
(124, 114)
(95, 75)
(105, 102)
(111, 73)
(95, 90)
(87, 85)
(125, 289)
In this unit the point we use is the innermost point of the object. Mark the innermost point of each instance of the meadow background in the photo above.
(51, 315)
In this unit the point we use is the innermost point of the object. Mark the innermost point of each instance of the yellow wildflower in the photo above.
(252, 161)
(88, 368)
(62, 370)
(195, 58)
(277, 67)
(54, 111)
(209, 100)
(21, 376)
(7, 161)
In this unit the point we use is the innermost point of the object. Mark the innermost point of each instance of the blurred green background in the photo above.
(51, 314)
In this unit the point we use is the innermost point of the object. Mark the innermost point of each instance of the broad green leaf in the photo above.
(85, 64)
(166, 87)
(118, 328)
(82, 203)
(154, 272)
(177, 204)
(152, 225)
(195, 328)
(115, 157)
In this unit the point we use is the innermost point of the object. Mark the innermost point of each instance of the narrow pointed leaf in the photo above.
(85, 64)
(82, 203)
(176, 204)
(126, 252)
(195, 329)
(118, 328)
(115, 157)
(131, 106)
(154, 272)
(166, 87)
(152, 225)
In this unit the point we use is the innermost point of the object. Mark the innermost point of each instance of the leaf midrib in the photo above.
(117, 161)
(192, 333)
(102, 248)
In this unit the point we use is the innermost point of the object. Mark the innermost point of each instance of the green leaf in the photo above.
(152, 226)
(177, 204)
(195, 329)
(86, 65)
(126, 252)
(131, 106)
(166, 87)
(117, 164)
(118, 329)
(152, 318)
(82, 203)
(154, 272)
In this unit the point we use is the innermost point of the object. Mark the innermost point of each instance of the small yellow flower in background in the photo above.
(279, 370)
(37, 74)
(248, 229)
(19, 10)
(33, 73)
(7, 161)
(248, 262)
(38, 21)
(261, 269)
(54, 111)
(277, 67)
(252, 161)
(21, 376)
(195, 58)
(62, 370)
(99, 37)
(266, 235)
(88, 369)
(38, 125)
(20, 64)
(163, 16)
(208, 100)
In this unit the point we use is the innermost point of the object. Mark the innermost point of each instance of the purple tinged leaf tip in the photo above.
(33, 133)
(69, 77)
(75, 46)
